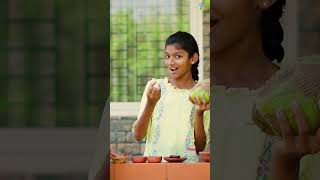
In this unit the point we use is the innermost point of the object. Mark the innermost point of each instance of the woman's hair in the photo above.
(186, 42)
(272, 32)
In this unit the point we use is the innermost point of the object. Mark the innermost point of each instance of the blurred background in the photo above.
(53, 86)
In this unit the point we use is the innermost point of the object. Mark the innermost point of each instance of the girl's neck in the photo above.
(242, 65)
(183, 82)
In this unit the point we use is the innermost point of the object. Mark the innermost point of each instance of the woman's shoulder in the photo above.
(302, 75)
(302, 65)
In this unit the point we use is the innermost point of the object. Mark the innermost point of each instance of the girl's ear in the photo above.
(194, 58)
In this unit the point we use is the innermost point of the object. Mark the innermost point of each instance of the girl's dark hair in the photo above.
(272, 32)
(186, 42)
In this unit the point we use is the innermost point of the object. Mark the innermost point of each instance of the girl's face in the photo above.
(231, 21)
(178, 61)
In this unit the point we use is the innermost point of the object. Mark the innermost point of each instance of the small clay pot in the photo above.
(204, 156)
(174, 159)
(154, 159)
(139, 159)
(119, 159)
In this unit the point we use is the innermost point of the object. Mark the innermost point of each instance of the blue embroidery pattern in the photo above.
(191, 156)
(158, 117)
(265, 159)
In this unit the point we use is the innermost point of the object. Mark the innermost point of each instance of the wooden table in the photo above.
(160, 171)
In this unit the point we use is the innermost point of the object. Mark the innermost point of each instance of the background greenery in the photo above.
(138, 34)
(53, 62)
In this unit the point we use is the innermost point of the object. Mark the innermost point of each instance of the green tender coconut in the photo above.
(283, 100)
(201, 91)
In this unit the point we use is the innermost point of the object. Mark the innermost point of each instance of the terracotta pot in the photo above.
(174, 159)
(154, 159)
(139, 159)
(119, 159)
(204, 156)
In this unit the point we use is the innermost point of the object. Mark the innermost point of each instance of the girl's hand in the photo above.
(201, 104)
(295, 147)
(153, 93)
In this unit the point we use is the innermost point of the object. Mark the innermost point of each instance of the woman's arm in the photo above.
(284, 168)
(288, 152)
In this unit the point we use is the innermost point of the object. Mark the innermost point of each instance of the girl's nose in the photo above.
(171, 60)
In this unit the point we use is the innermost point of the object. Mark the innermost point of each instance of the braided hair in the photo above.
(186, 42)
(272, 32)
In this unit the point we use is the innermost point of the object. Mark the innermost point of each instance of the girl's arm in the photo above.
(199, 130)
(140, 127)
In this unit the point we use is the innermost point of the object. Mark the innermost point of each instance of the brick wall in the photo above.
(206, 44)
(121, 138)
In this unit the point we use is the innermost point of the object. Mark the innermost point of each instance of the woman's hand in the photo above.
(297, 146)
(288, 152)
(153, 93)
(201, 104)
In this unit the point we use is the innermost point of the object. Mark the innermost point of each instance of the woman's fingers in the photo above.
(300, 118)
(201, 104)
(302, 144)
(304, 141)
(197, 101)
(152, 83)
(284, 125)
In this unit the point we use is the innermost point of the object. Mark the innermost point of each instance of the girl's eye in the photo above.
(178, 56)
(166, 57)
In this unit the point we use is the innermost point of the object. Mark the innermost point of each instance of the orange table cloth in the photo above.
(160, 171)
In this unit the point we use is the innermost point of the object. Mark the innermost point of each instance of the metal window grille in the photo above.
(138, 33)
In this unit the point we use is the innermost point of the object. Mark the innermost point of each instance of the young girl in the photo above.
(167, 120)
(246, 38)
